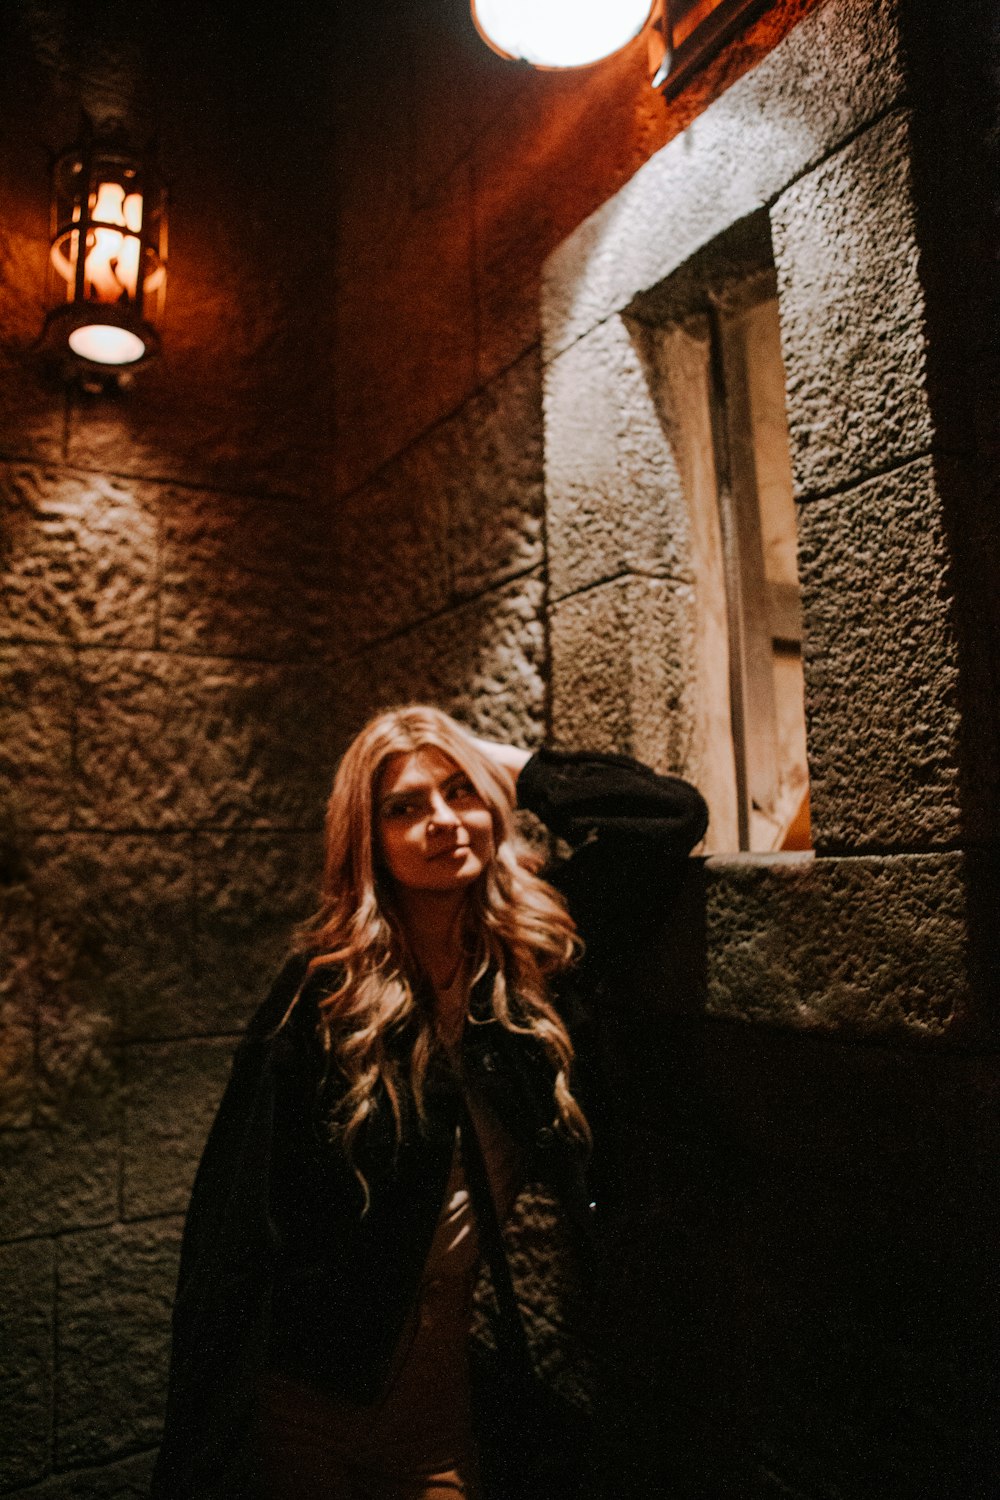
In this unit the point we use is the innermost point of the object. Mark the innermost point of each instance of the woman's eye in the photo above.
(399, 810)
(462, 790)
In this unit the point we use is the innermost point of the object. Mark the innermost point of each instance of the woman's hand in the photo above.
(510, 759)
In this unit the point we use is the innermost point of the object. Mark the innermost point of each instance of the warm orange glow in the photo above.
(111, 267)
(691, 18)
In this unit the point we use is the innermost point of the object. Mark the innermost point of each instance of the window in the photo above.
(711, 343)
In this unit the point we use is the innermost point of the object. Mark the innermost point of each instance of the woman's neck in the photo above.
(434, 926)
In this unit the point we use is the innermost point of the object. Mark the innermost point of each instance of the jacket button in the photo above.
(489, 1062)
(545, 1137)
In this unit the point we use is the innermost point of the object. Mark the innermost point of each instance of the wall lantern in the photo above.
(107, 261)
(559, 33)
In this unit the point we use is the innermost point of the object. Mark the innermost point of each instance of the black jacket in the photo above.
(280, 1266)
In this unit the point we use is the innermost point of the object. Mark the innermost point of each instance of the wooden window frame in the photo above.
(687, 47)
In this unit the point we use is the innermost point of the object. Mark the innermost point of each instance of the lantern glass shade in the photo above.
(108, 254)
(559, 33)
(106, 345)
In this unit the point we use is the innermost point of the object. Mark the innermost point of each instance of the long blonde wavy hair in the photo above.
(516, 926)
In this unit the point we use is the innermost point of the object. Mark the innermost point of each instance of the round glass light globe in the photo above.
(105, 344)
(559, 33)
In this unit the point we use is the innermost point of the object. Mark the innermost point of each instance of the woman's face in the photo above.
(435, 832)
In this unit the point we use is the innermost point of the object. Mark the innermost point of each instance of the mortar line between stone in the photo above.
(449, 609)
(917, 456)
(127, 476)
(479, 389)
(585, 588)
(189, 1039)
(124, 647)
(55, 1236)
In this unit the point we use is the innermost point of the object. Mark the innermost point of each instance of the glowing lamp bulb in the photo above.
(559, 33)
(106, 344)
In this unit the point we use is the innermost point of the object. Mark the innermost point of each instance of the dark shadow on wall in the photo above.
(798, 1284)
(954, 81)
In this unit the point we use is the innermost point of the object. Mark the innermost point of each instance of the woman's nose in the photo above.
(442, 814)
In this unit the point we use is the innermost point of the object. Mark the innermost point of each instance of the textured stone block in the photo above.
(38, 689)
(390, 556)
(79, 558)
(613, 470)
(491, 462)
(835, 71)
(116, 928)
(27, 1315)
(852, 313)
(481, 662)
(168, 742)
(243, 577)
(17, 1060)
(172, 1090)
(19, 994)
(870, 947)
(251, 891)
(455, 514)
(115, 1294)
(128, 1480)
(880, 664)
(618, 670)
(414, 360)
(65, 1175)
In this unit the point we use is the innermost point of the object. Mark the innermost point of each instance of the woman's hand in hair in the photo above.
(511, 759)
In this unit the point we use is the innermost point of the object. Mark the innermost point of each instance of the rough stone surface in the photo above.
(481, 662)
(455, 514)
(852, 313)
(77, 558)
(115, 928)
(19, 995)
(556, 150)
(26, 1372)
(880, 665)
(250, 892)
(390, 558)
(17, 1060)
(834, 72)
(493, 473)
(38, 690)
(174, 742)
(115, 1293)
(614, 497)
(868, 947)
(65, 1175)
(127, 1480)
(172, 1090)
(618, 671)
(242, 577)
(403, 382)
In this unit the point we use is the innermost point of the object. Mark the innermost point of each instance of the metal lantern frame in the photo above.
(78, 174)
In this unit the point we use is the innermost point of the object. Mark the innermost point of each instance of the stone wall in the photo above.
(190, 628)
(165, 737)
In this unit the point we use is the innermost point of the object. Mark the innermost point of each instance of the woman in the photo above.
(408, 1086)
